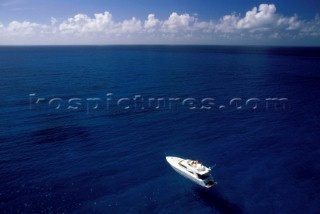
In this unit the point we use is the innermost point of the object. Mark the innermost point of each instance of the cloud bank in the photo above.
(260, 25)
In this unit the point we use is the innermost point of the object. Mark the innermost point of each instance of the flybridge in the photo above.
(195, 166)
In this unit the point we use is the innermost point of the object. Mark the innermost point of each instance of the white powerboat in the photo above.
(192, 170)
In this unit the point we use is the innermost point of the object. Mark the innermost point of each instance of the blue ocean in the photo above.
(86, 129)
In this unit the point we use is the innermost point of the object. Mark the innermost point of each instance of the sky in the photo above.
(214, 22)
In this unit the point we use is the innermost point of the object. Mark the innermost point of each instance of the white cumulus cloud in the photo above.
(25, 28)
(289, 23)
(151, 22)
(177, 22)
(227, 24)
(263, 18)
(312, 27)
(82, 23)
(131, 26)
(258, 18)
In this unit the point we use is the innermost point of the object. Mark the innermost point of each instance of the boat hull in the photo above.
(174, 163)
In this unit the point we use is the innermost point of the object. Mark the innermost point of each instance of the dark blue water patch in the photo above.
(58, 134)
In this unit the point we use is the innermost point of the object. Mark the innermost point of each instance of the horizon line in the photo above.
(104, 45)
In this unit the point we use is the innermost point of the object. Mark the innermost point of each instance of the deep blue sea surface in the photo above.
(91, 155)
